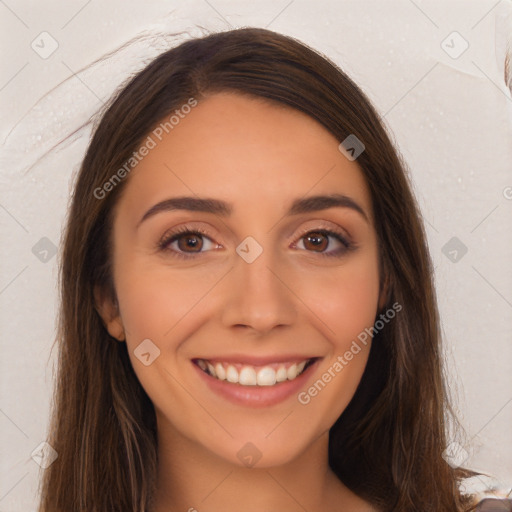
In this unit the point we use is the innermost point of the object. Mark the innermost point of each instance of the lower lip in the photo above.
(256, 396)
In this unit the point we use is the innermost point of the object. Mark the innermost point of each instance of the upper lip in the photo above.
(257, 360)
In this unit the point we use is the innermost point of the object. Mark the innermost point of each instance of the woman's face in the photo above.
(261, 290)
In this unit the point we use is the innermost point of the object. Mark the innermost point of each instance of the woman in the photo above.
(248, 314)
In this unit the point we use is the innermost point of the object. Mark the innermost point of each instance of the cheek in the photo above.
(156, 299)
(346, 305)
(346, 299)
(153, 298)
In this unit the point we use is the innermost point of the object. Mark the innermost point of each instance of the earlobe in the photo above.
(108, 309)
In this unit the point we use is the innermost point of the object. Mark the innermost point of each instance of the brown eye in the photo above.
(186, 242)
(316, 241)
(320, 240)
(191, 241)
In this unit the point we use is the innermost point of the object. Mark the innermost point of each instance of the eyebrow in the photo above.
(303, 205)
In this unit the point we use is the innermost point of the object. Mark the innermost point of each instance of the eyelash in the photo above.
(164, 243)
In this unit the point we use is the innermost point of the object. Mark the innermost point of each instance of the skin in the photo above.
(259, 157)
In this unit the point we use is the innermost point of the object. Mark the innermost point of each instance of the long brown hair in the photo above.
(387, 445)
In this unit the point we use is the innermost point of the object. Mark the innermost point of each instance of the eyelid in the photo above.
(172, 235)
(347, 245)
(327, 226)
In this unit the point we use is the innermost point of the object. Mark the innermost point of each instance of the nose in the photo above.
(258, 296)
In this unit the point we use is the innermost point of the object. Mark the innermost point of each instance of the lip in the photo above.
(257, 396)
(258, 361)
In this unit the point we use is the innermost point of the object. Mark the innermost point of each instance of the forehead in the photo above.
(245, 150)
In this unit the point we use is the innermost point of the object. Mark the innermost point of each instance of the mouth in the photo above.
(272, 374)
(256, 381)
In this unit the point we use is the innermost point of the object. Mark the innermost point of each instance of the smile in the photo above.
(249, 375)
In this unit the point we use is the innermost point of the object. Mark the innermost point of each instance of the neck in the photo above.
(192, 478)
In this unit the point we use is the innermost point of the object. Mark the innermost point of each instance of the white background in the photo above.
(451, 119)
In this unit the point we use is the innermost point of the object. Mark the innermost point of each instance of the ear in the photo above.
(108, 309)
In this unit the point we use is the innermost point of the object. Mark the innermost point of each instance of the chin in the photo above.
(259, 452)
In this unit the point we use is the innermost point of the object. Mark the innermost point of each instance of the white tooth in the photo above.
(211, 369)
(201, 364)
(281, 374)
(247, 376)
(219, 370)
(292, 372)
(266, 376)
(232, 374)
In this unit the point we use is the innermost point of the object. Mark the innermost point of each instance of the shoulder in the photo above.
(489, 494)
(494, 505)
